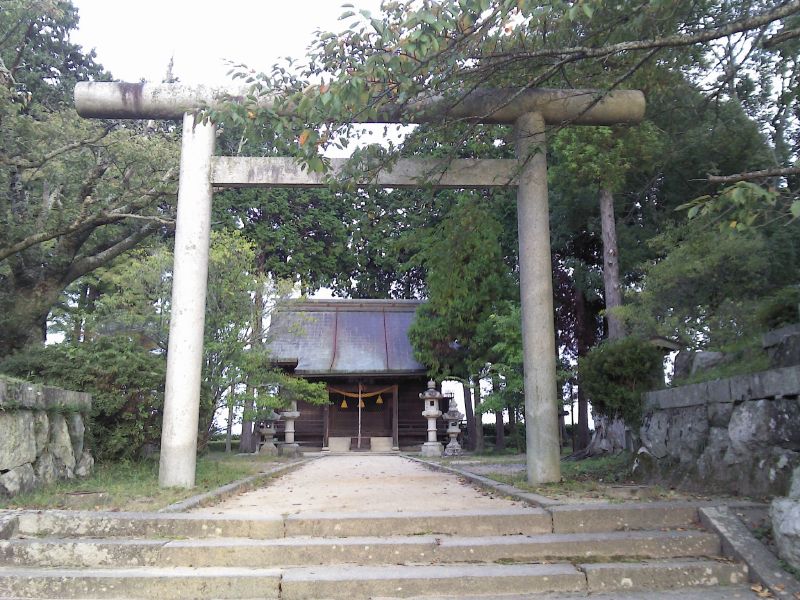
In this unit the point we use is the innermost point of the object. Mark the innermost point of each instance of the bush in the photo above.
(125, 380)
(616, 373)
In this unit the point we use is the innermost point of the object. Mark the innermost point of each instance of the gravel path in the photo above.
(361, 483)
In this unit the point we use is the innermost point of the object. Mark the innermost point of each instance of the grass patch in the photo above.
(133, 486)
(587, 477)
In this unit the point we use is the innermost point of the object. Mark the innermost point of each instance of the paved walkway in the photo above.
(361, 483)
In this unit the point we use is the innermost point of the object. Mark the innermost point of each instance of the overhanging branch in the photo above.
(763, 174)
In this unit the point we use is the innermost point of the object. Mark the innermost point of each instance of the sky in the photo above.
(135, 40)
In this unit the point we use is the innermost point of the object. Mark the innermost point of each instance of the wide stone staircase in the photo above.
(587, 549)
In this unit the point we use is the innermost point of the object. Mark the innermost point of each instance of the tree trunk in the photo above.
(500, 432)
(246, 442)
(471, 431)
(229, 428)
(23, 318)
(476, 394)
(584, 338)
(611, 283)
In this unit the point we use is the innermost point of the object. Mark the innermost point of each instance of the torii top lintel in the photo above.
(119, 100)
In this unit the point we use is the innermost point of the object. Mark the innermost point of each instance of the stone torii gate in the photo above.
(529, 111)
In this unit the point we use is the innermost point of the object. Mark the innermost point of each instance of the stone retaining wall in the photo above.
(41, 435)
(740, 435)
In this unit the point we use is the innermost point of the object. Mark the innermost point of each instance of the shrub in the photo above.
(616, 373)
(125, 380)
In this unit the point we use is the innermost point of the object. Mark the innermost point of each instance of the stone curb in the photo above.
(490, 484)
(739, 543)
(9, 523)
(231, 489)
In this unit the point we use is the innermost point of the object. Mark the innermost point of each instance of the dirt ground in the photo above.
(361, 483)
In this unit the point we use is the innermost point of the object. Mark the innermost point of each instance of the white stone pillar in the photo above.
(190, 277)
(536, 290)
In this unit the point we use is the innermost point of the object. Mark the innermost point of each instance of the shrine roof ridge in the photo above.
(349, 305)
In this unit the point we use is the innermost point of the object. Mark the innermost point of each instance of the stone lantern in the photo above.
(267, 430)
(290, 447)
(431, 397)
(453, 418)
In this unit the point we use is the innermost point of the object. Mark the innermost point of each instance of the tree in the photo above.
(410, 53)
(710, 284)
(75, 194)
(137, 303)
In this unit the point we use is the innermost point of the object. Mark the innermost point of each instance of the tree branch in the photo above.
(22, 164)
(786, 34)
(169, 222)
(672, 41)
(763, 174)
(79, 225)
(86, 264)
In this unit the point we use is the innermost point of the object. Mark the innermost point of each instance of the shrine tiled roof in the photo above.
(344, 337)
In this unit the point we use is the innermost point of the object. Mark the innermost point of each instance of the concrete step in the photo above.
(590, 518)
(347, 582)
(98, 524)
(169, 525)
(231, 552)
(477, 523)
(358, 581)
(132, 583)
(352, 582)
(653, 575)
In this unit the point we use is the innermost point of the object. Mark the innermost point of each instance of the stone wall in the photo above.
(41, 435)
(740, 435)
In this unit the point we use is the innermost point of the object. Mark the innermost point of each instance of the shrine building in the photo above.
(361, 351)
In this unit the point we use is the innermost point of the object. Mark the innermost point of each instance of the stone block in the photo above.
(719, 413)
(655, 427)
(783, 346)
(57, 399)
(712, 465)
(76, 430)
(45, 469)
(765, 472)
(652, 400)
(60, 446)
(688, 432)
(683, 364)
(719, 390)
(776, 336)
(767, 384)
(794, 490)
(18, 442)
(29, 395)
(760, 423)
(785, 515)
(85, 465)
(17, 480)
(41, 430)
(704, 360)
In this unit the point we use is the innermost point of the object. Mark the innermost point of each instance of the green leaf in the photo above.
(795, 209)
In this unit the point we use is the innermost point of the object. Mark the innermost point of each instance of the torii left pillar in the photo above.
(187, 323)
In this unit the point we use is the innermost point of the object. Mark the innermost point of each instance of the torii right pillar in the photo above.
(542, 400)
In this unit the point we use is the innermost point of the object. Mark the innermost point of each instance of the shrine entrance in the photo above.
(529, 110)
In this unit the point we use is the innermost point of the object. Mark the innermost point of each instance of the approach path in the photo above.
(361, 483)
